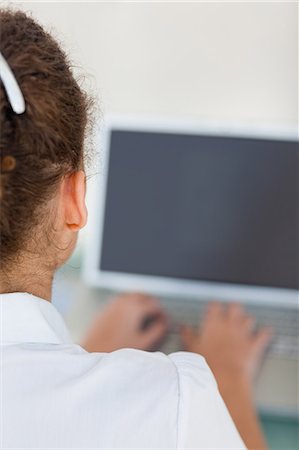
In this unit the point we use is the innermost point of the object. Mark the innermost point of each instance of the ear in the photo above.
(73, 193)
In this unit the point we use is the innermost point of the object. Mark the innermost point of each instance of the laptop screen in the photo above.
(206, 208)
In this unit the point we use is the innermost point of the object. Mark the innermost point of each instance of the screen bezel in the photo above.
(166, 286)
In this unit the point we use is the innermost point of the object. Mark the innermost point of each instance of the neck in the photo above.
(36, 280)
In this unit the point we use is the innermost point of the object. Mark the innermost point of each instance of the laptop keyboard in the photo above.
(285, 322)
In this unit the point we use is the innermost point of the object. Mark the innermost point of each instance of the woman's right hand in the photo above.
(233, 352)
(227, 341)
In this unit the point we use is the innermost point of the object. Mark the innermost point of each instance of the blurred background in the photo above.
(202, 61)
(215, 60)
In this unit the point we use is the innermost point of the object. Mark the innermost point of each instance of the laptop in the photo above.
(196, 212)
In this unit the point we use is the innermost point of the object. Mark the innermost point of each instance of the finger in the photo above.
(153, 335)
(151, 307)
(262, 339)
(128, 297)
(141, 297)
(187, 335)
(148, 319)
(214, 309)
(235, 311)
(150, 298)
(248, 323)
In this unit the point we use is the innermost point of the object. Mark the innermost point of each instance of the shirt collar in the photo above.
(30, 319)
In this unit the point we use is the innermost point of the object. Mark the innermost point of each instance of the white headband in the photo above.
(11, 87)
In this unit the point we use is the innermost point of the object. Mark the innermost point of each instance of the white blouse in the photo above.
(55, 395)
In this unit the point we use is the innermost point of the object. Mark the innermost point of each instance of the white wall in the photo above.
(232, 61)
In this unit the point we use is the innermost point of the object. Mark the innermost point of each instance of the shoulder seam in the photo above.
(178, 401)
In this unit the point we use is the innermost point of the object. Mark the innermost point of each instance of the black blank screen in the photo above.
(207, 208)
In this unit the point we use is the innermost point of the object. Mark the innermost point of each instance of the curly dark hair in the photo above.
(43, 144)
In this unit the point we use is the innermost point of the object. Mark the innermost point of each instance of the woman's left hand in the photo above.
(128, 321)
